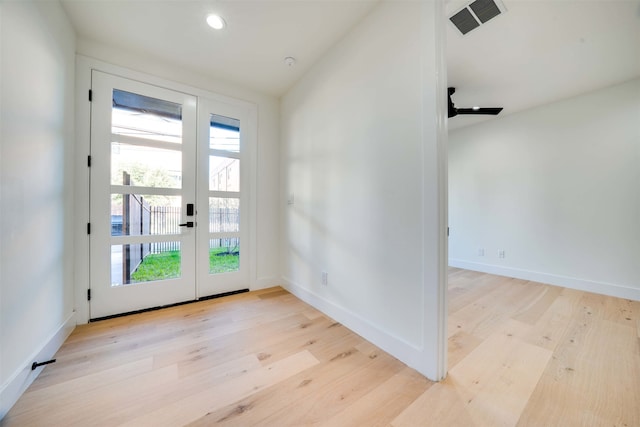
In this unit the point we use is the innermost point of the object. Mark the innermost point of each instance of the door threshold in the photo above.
(160, 307)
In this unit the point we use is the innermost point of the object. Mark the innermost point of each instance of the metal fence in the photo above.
(165, 220)
(141, 218)
(136, 221)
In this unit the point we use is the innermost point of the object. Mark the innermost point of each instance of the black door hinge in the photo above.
(90, 95)
(88, 228)
(88, 294)
(88, 161)
(447, 231)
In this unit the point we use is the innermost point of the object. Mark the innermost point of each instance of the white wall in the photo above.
(266, 210)
(36, 200)
(557, 188)
(359, 161)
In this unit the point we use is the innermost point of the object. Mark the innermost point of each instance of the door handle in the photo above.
(188, 224)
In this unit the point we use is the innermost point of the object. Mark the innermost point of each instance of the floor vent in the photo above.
(476, 13)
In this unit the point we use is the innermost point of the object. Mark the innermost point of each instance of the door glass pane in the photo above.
(224, 255)
(224, 133)
(224, 215)
(144, 117)
(142, 215)
(144, 166)
(224, 174)
(144, 262)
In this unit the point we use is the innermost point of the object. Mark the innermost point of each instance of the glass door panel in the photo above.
(146, 165)
(143, 149)
(222, 266)
(224, 174)
(138, 116)
(145, 262)
(223, 133)
(224, 255)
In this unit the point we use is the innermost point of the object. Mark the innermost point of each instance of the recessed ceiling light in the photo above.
(216, 22)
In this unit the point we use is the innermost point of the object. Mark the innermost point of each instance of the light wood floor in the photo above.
(520, 353)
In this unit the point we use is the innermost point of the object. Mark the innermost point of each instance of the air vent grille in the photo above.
(464, 21)
(485, 9)
(475, 14)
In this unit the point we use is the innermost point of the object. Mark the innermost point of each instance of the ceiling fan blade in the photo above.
(452, 112)
(452, 108)
(490, 111)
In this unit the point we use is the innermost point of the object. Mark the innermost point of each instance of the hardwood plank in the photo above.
(341, 393)
(552, 325)
(519, 353)
(623, 311)
(481, 317)
(225, 341)
(469, 290)
(439, 406)
(460, 345)
(97, 404)
(539, 305)
(273, 294)
(301, 389)
(313, 314)
(182, 388)
(260, 340)
(591, 383)
(68, 390)
(381, 405)
(497, 378)
(319, 336)
(190, 408)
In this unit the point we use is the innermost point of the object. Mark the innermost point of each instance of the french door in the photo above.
(222, 198)
(167, 197)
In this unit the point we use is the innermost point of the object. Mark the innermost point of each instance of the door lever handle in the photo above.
(188, 224)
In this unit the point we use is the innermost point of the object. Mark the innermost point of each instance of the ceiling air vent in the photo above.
(475, 14)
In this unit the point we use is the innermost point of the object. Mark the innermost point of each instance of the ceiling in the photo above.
(251, 49)
(539, 52)
(536, 52)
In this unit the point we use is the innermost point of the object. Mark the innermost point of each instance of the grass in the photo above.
(220, 261)
(166, 265)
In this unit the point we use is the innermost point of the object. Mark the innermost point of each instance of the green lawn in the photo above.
(166, 265)
(220, 261)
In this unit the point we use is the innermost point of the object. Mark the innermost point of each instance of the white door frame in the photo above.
(84, 66)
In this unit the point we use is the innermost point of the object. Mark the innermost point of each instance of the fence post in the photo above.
(141, 227)
(126, 210)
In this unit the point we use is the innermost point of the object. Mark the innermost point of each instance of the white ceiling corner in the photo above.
(539, 51)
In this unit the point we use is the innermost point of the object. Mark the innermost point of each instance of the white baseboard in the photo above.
(22, 378)
(266, 282)
(400, 349)
(551, 279)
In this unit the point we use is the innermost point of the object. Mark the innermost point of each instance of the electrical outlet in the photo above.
(481, 252)
(501, 253)
(325, 278)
